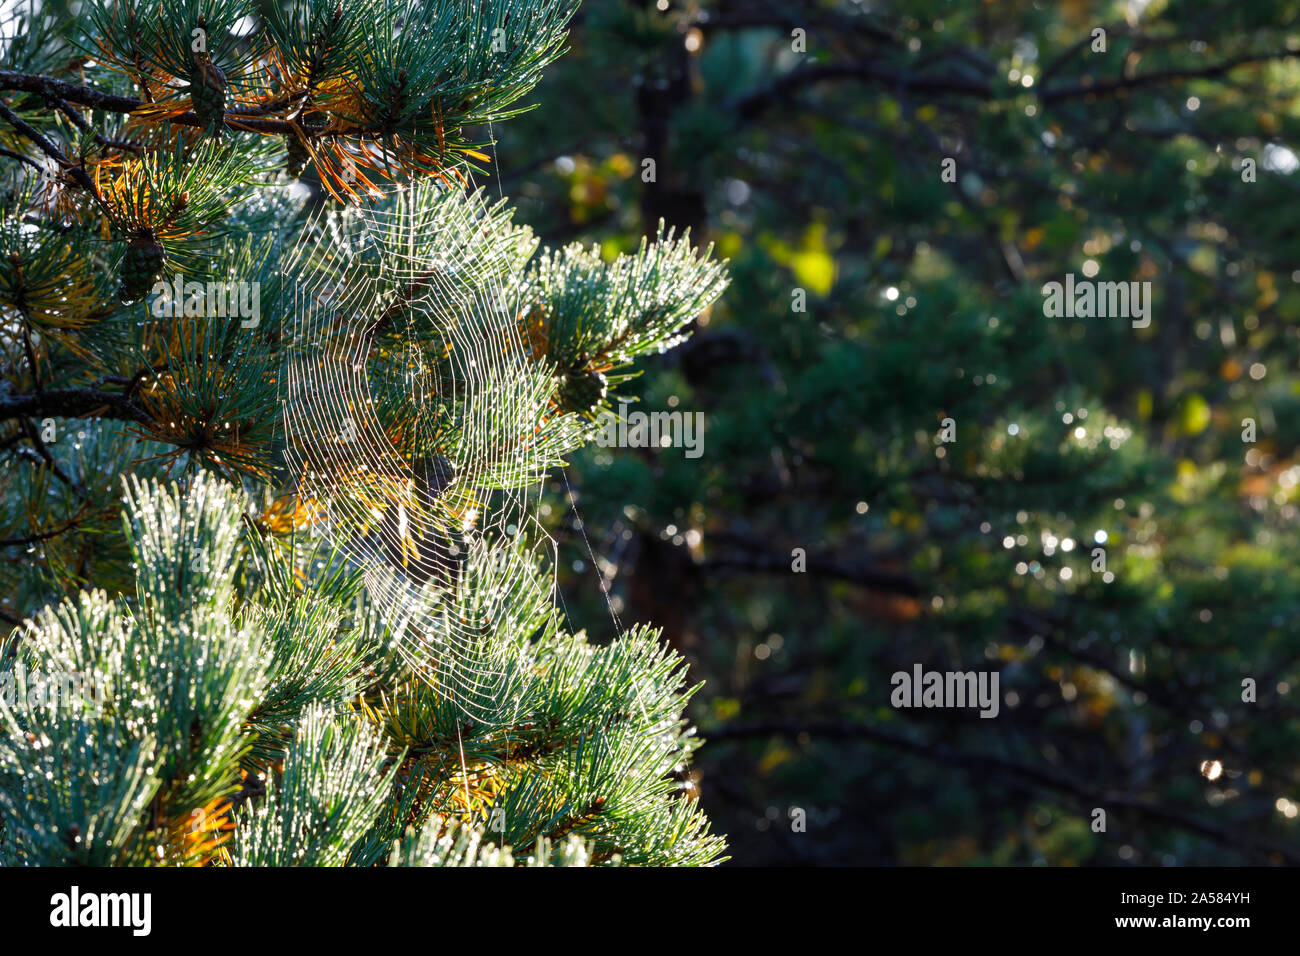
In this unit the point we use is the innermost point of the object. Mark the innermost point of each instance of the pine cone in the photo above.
(583, 389)
(208, 93)
(141, 267)
(296, 156)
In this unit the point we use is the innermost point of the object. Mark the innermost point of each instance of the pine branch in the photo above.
(72, 403)
(40, 536)
(43, 453)
(112, 103)
(71, 92)
(77, 172)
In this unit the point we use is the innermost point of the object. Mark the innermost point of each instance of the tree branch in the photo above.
(98, 99)
(1113, 87)
(71, 403)
(80, 175)
(756, 102)
(823, 566)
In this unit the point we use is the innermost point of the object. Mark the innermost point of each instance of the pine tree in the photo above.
(275, 589)
(1113, 530)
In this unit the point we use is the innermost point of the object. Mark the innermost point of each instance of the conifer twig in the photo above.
(71, 403)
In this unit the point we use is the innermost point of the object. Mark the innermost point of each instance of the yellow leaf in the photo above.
(1195, 417)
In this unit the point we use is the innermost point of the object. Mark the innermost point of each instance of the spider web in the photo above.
(410, 408)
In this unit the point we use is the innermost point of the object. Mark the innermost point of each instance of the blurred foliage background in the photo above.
(1165, 157)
